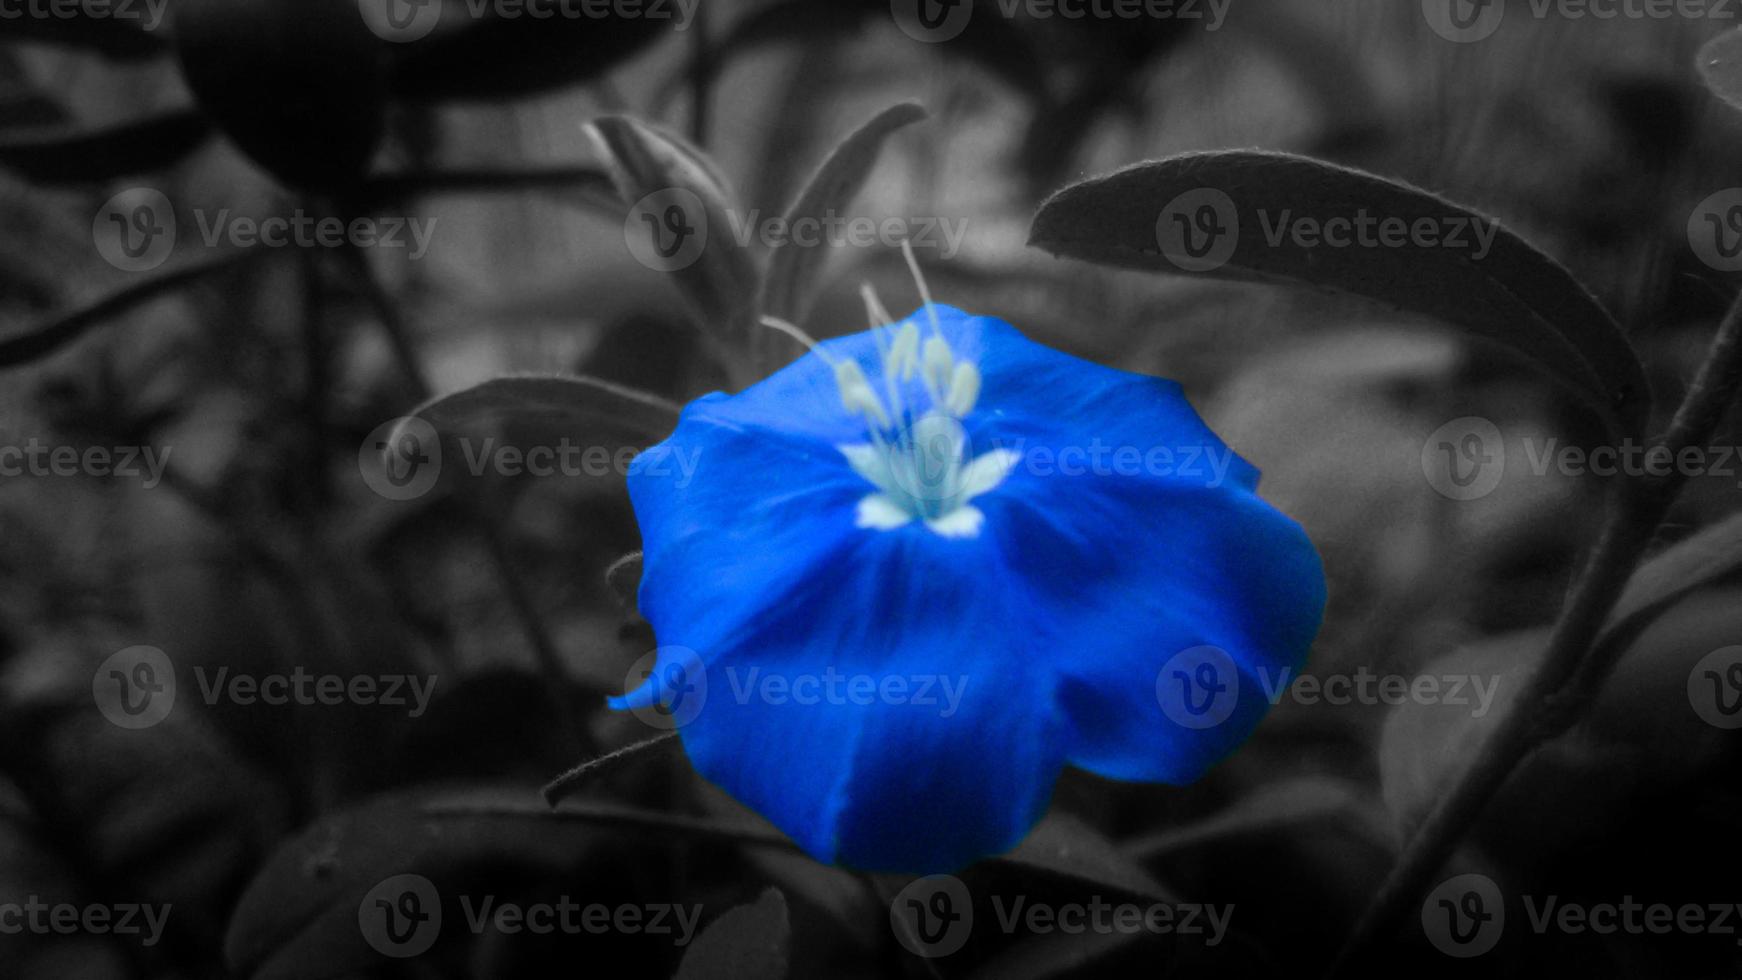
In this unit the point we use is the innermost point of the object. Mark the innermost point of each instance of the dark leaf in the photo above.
(1232, 215)
(792, 268)
(499, 57)
(104, 154)
(747, 941)
(1065, 846)
(297, 85)
(300, 915)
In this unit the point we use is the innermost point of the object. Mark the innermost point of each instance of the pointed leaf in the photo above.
(1710, 554)
(1260, 216)
(679, 223)
(747, 941)
(519, 414)
(793, 268)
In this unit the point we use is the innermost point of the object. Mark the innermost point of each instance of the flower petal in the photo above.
(1138, 576)
(938, 742)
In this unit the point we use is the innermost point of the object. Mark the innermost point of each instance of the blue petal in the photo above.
(1060, 617)
(1137, 572)
(955, 764)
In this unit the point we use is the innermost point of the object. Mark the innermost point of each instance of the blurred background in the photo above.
(258, 375)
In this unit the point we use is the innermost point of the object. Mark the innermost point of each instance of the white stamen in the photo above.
(964, 390)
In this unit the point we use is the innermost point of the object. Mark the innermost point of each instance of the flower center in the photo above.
(917, 457)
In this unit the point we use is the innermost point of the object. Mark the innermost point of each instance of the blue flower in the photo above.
(911, 576)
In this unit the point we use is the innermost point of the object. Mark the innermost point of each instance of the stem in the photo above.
(565, 784)
(1570, 674)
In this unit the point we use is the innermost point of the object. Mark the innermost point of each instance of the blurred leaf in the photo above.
(297, 84)
(1282, 806)
(504, 57)
(682, 203)
(1422, 745)
(1228, 206)
(40, 341)
(114, 37)
(165, 814)
(104, 154)
(1710, 554)
(747, 941)
(1720, 64)
(989, 39)
(1065, 846)
(792, 268)
(299, 917)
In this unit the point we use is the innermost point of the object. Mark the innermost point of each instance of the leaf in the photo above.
(40, 341)
(793, 268)
(1720, 65)
(486, 433)
(299, 917)
(1239, 212)
(105, 154)
(1709, 555)
(1064, 846)
(1282, 806)
(505, 57)
(679, 223)
(299, 86)
(747, 941)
